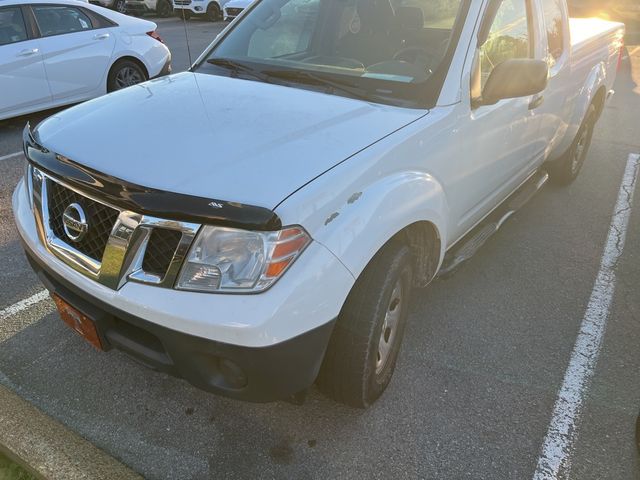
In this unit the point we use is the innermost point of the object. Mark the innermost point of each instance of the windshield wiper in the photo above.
(237, 67)
(308, 77)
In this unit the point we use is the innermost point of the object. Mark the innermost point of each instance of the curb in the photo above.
(48, 449)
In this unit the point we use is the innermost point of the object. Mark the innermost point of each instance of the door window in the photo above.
(60, 19)
(12, 27)
(508, 38)
(554, 21)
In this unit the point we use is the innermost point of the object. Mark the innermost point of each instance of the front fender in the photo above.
(356, 224)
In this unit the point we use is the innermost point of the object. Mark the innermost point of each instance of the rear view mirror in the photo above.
(515, 78)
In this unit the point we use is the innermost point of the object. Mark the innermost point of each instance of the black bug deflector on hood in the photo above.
(144, 200)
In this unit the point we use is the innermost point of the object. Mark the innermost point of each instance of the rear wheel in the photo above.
(163, 8)
(213, 12)
(366, 340)
(566, 170)
(125, 73)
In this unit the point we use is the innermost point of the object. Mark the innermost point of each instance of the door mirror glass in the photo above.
(515, 78)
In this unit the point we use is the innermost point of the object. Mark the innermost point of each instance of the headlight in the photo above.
(227, 259)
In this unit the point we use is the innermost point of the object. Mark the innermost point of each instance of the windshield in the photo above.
(379, 50)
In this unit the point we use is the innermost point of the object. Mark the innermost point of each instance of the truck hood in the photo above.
(219, 137)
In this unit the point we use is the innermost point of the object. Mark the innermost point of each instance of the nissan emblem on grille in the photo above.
(75, 223)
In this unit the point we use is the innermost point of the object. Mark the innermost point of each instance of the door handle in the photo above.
(536, 102)
(28, 52)
(101, 36)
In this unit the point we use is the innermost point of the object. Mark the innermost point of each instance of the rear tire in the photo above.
(366, 340)
(565, 170)
(213, 12)
(125, 73)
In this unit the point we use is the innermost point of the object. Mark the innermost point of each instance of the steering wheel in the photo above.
(413, 55)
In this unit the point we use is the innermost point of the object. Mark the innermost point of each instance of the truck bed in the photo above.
(585, 31)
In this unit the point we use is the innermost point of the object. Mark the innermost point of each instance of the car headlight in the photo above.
(227, 259)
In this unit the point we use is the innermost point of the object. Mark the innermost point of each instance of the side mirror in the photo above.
(515, 78)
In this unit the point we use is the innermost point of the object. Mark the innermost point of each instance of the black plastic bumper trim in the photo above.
(145, 200)
(268, 373)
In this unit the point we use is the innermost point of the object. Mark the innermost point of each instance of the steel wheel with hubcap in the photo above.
(389, 328)
(125, 73)
(566, 169)
(163, 8)
(365, 343)
(213, 12)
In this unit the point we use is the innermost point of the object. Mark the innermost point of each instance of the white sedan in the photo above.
(59, 52)
(234, 8)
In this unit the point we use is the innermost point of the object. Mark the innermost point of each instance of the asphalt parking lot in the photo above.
(473, 395)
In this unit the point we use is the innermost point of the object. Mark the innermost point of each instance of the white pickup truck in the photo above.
(260, 222)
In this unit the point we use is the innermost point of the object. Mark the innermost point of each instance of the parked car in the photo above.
(117, 5)
(161, 8)
(59, 52)
(212, 9)
(263, 218)
(234, 7)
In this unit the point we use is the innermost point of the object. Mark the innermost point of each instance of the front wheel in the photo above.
(213, 12)
(163, 8)
(366, 340)
(566, 170)
(125, 73)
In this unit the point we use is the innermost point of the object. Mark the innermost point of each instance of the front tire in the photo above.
(163, 8)
(125, 73)
(366, 340)
(213, 12)
(567, 169)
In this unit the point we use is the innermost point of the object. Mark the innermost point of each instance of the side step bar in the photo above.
(476, 238)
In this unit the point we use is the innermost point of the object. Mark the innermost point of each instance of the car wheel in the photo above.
(125, 73)
(120, 6)
(213, 12)
(163, 8)
(364, 346)
(566, 170)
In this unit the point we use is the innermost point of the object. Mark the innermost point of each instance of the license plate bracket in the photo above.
(79, 322)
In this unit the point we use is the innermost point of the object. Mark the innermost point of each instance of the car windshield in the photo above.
(379, 50)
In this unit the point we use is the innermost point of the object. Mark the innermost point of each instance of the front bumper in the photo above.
(259, 374)
(277, 338)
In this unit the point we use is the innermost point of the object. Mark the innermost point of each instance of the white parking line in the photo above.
(23, 304)
(558, 443)
(11, 155)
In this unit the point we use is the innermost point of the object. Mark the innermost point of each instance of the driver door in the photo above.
(500, 144)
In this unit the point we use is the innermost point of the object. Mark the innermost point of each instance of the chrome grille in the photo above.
(160, 249)
(118, 245)
(101, 220)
